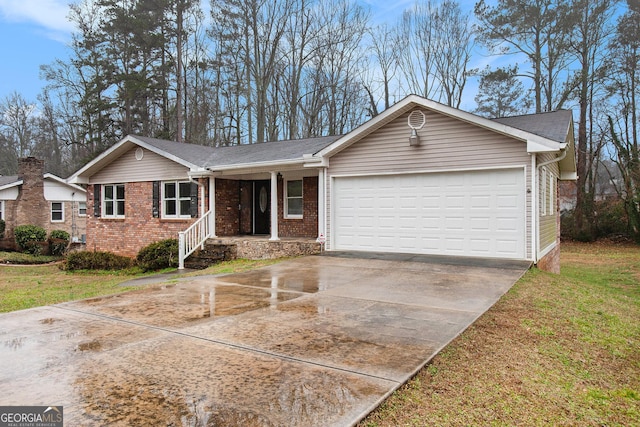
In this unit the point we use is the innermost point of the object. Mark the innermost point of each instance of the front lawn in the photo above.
(555, 350)
(27, 286)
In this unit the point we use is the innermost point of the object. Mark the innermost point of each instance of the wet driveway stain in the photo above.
(310, 341)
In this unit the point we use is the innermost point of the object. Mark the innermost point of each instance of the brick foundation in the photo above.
(551, 261)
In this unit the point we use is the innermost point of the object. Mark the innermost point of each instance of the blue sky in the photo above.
(35, 32)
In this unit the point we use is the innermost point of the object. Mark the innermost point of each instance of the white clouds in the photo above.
(51, 15)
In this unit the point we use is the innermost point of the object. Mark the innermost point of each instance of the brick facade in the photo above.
(308, 225)
(227, 202)
(126, 236)
(31, 207)
(234, 194)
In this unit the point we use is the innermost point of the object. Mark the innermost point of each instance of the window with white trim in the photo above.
(113, 201)
(57, 211)
(82, 208)
(293, 199)
(176, 199)
(543, 191)
(1, 209)
(552, 194)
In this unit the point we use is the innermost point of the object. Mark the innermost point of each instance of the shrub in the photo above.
(30, 238)
(87, 260)
(3, 226)
(159, 255)
(58, 242)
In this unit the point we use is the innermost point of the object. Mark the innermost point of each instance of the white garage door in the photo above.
(479, 213)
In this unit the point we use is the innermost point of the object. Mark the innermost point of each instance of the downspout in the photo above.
(562, 155)
(201, 186)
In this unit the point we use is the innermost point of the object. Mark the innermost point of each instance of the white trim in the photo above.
(322, 203)
(2, 209)
(274, 206)
(51, 211)
(332, 190)
(64, 182)
(212, 205)
(285, 198)
(546, 250)
(11, 185)
(423, 171)
(544, 197)
(118, 150)
(115, 201)
(535, 215)
(177, 199)
(535, 143)
(82, 215)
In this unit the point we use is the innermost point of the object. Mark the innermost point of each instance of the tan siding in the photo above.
(446, 144)
(151, 167)
(548, 229)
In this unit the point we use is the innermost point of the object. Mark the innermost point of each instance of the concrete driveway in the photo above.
(320, 340)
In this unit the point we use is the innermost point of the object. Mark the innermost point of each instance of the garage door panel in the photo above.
(480, 213)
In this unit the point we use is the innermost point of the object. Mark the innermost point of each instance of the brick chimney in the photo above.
(32, 207)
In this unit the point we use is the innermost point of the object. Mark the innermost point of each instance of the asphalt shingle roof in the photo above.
(553, 125)
(9, 179)
(210, 157)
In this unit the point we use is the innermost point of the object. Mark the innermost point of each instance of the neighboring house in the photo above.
(36, 198)
(419, 178)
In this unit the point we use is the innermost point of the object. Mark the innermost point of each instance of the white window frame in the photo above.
(1, 209)
(544, 189)
(80, 208)
(179, 198)
(552, 199)
(61, 211)
(287, 215)
(115, 201)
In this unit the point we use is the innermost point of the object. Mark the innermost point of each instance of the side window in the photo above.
(293, 199)
(82, 208)
(57, 212)
(176, 199)
(552, 194)
(544, 187)
(113, 201)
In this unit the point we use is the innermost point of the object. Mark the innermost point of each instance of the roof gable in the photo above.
(535, 143)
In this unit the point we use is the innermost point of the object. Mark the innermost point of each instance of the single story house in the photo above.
(421, 177)
(33, 197)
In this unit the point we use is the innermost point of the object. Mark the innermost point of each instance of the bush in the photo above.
(58, 242)
(3, 226)
(87, 260)
(159, 255)
(30, 238)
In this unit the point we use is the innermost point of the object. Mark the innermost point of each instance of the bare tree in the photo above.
(538, 29)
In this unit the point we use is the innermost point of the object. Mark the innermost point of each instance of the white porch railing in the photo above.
(194, 237)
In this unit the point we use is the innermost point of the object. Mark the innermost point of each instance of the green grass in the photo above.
(22, 258)
(27, 286)
(555, 350)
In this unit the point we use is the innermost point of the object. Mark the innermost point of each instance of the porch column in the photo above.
(321, 206)
(274, 206)
(212, 206)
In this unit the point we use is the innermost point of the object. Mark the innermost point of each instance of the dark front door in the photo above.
(261, 207)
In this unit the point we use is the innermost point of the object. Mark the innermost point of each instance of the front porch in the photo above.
(219, 249)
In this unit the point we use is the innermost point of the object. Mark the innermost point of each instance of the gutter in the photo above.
(557, 159)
